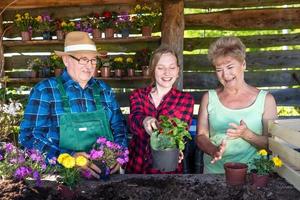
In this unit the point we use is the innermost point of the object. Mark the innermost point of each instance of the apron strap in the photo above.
(64, 97)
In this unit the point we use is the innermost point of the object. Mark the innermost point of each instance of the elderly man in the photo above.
(68, 113)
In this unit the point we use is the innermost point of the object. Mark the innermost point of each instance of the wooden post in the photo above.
(172, 30)
(1, 48)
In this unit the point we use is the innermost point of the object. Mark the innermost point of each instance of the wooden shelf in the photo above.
(12, 43)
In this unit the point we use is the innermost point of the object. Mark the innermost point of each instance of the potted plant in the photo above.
(95, 22)
(59, 32)
(129, 66)
(45, 26)
(26, 24)
(34, 65)
(105, 65)
(118, 66)
(146, 17)
(124, 24)
(56, 64)
(167, 141)
(106, 154)
(262, 166)
(142, 59)
(67, 26)
(109, 23)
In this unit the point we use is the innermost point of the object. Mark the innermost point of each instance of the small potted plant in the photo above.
(167, 141)
(35, 65)
(95, 22)
(45, 26)
(109, 23)
(124, 24)
(67, 26)
(106, 155)
(56, 64)
(129, 66)
(105, 65)
(262, 166)
(26, 24)
(146, 17)
(118, 66)
(142, 59)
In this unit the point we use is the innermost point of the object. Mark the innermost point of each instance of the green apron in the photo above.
(79, 131)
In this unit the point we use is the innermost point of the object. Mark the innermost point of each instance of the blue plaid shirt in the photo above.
(40, 126)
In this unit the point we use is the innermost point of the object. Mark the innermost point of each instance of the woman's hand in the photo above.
(115, 168)
(237, 131)
(217, 155)
(94, 170)
(150, 124)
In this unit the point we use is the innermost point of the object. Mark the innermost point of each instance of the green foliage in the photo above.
(170, 134)
(56, 62)
(146, 14)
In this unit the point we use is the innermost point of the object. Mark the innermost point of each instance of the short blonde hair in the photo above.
(227, 46)
(157, 55)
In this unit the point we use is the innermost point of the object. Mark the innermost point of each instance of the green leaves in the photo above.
(170, 134)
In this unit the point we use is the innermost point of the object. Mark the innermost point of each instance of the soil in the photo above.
(158, 187)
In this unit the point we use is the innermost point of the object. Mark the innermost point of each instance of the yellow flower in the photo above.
(263, 152)
(129, 60)
(26, 15)
(39, 18)
(118, 59)
(277, 162)
(71, 24)
(18, 16)
(63, 23)
(137, 7)
(81, 161)
(69, 162)
(62, 156)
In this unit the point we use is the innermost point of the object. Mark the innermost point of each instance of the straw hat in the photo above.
(78, 42)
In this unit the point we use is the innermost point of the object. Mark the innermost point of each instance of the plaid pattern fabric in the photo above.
(40, 126)
(174, 104)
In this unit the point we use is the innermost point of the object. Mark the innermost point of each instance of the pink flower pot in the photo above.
(260, 180)
(235, 173)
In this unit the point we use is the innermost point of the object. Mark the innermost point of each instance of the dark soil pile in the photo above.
(159, 187)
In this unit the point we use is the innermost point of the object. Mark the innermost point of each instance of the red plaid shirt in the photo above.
(174, 104)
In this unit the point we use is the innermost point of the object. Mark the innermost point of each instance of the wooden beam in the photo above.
(1, 48)
(254, 60)
(256, 41)
(208, 80)
(172, 30)
(235, 3)
(55, 3)
(245, 19)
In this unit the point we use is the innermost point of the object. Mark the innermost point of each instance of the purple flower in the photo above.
(52, 161)
(1, 157)
(94, 154)
(109, 144)
(9, 147)
(21, 159)
(13, 161)
(35, 155)
(22, 172)
(101, 140)
(86, 174)
(37, 178)
(121, 161)
(43, 166)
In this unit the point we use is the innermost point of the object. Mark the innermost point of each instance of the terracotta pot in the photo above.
(165, 160)
(235, 173)
(26, 36)
(96, 73)
(60, 35)
(145, 70)
(118, 72)
(96, 34)
(66, 192)
(146, 31)
(130, 72)
(105, 71)
(260, 180)
(109, 33)
(57, 72)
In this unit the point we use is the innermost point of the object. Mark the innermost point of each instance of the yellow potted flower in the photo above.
(262, 166)
(56, 64)
(129, 66)
(26, 24)
(118, 66)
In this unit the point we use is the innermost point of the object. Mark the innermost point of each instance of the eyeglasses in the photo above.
(84, 60)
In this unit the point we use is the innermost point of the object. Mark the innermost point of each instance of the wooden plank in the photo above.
(257, 41)
(1, 49)
(235, 3)
(286, 133)
(283, 97)
(56, 3)
(131, 44)
(206, 80)
(245, 19)
(292, 176)
(289, 155)
(254, 60)
(173, 31)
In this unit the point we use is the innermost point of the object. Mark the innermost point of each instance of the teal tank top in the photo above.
(237, 150)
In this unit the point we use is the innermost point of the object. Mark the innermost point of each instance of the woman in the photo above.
(147, 104)
(232, 122)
